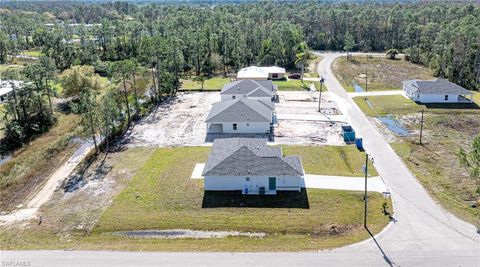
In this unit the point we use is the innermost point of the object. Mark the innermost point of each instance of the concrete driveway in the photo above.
(374, 184)
(378, 93)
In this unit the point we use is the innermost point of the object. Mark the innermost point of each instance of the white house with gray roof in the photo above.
(250, 166)
(240, 116)
(257, 90)
(436, 91)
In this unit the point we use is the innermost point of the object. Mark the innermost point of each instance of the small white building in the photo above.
(240, 116)
(250, 166)
(6, 87)
(252, 89)
(261, 73)
(436, 91)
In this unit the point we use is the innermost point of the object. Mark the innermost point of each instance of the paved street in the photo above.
(422, 225)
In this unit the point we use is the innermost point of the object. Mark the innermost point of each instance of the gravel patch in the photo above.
(185, 233)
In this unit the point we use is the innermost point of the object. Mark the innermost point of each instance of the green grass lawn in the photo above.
(162, 196)
(382, 105)
(4, 67)
(296, 85)
(311, 75)
(215, 83)
(33, 53)
(383, 74)
(331, 160)
(435, 163)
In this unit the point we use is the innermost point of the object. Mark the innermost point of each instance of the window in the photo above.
(247, 179)
(234, 126)
(446, 97)
(274, 75)
(233, 97)
(248, 124)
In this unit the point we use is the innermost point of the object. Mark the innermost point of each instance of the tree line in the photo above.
(212, 39)
(166, 42)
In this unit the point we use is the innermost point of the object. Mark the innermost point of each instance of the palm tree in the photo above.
(303, 56)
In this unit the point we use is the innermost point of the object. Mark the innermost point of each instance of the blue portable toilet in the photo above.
(348, 134)
(359, 143)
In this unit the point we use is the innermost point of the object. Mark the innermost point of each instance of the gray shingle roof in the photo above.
(247, 86)
(269, 104)
(240, 110)
(438, 86)
(260, 92)
(250, 157)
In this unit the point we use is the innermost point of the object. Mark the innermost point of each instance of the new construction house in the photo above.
(250, 166)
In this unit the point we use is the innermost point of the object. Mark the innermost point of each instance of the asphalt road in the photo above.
(424, 234)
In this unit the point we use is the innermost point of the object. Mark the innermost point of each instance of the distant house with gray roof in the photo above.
(241, 115)
(257, 90)
(250, 166)
(436, 91)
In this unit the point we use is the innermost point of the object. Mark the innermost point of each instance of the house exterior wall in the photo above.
(252, 78)
(244, 127)
(279, 76)
(438, 99)
(214, 127)
(410, 92)
(232, 183)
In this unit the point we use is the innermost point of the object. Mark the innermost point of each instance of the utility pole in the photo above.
(421, 127)
(365, 194)
(366, 80)
(320, 97)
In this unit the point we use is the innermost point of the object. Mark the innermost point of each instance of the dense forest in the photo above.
(207, 39)
(116, 39)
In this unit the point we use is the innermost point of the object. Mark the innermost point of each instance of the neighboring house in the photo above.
(261, 73)
(252, 89)
(436, 91)
(250, 166)
(241, 116)
(6, 88)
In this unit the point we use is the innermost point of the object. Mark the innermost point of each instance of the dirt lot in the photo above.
(77, 204)
(383, 74)
(181, 122)
(300, 123)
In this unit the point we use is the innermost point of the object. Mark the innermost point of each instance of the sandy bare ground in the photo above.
(186, 233)
(54, 181)
(300, 123)
(181, 122)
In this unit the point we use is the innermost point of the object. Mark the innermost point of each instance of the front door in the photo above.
(272, 183)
